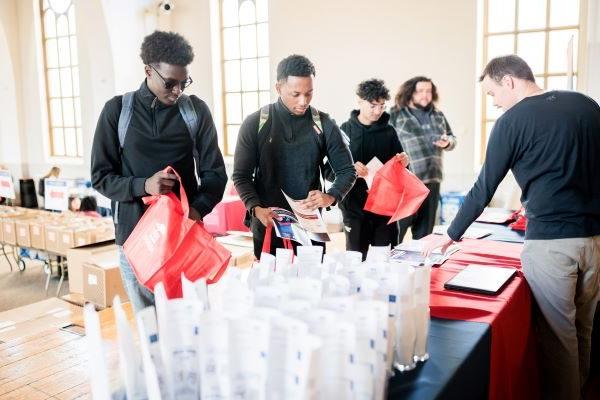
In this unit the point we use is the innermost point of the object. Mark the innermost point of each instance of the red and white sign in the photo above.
(56, 194)
(7, 187)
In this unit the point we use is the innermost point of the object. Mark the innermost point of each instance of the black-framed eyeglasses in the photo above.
(171, 83)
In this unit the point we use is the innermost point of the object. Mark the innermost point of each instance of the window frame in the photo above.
(77, 125)
(578, 72)
(227, 147)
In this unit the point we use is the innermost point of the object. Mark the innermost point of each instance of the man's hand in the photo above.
(264, 215)
(361, 169)
(403, 158)
(317, 199)
(442, 142)
(194, 215)
(444, 242)
(160, 183)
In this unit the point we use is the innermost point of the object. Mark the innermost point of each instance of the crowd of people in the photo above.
(548, 139)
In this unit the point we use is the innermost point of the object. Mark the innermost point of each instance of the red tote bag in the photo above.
(166, 243)
(396, 192)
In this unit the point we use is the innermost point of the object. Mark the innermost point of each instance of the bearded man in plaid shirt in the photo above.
(424, 134)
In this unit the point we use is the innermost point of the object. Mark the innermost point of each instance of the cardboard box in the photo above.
(74, 298)
(102, 282)
(22, 227)
(9, 231)
(37, 234)
(241, 248)
(36, 318)
(101, 252)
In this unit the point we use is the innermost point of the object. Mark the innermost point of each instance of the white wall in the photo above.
(392, 40)
(9, 88)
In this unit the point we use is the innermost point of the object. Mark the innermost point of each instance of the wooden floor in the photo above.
(52, 365)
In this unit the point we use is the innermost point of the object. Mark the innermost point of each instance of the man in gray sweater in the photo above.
(282, 147)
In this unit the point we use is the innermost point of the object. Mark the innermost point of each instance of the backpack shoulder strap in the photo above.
(125, 116)
(316, 117)
(264, 117)
(320, 133)
(189, 115)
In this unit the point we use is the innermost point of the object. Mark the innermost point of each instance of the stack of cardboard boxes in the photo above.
(52, 232)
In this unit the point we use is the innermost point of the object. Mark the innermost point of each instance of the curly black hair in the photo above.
(168, 47)
(373, 90)
(295, 65)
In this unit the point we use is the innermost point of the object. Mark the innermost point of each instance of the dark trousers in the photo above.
(258, 237)
(423, 221)
(370, 230)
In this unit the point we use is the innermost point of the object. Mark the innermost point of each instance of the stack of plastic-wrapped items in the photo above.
(291, 327)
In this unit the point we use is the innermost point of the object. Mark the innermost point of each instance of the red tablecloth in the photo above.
(513, 369)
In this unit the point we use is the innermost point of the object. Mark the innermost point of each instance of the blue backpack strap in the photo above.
(125, 117)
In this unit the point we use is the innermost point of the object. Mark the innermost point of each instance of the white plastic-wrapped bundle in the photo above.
(214, 356)
(178, 327)
(404, 321)
(335, 359)
(130, 360)
(97, 361)
(154, 368)
(378, 253)
(248, 352)
(422, 285)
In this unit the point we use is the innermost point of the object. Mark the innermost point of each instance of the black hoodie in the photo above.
(286, 156)
(376, 140)
(157, 137)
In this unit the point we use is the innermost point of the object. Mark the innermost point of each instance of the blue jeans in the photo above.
(139, 296)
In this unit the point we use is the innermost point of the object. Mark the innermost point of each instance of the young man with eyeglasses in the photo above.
(370, 135)
(142, 132)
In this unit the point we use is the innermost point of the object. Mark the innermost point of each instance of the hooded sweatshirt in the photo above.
(367, 141)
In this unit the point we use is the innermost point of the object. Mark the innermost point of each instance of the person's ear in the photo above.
(148, 71)
(278, 88)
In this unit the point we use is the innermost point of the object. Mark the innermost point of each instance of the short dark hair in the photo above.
(88, 203)
(512, 65)
(295, 65)
(168, 47)
(408, 88)
(373, 90)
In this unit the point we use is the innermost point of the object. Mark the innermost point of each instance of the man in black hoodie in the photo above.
(136, 139)
(370, 136)
(285, 151)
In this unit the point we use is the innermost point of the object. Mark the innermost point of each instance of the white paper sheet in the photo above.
(373, 166)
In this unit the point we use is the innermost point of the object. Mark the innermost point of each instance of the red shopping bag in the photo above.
(266, 248)
(520, 223)
(166, 243)
(396, 192)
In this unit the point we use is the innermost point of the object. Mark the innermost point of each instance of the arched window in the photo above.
(62, 77)
(245, 63)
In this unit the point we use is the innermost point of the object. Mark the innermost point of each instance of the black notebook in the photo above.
(481, 279)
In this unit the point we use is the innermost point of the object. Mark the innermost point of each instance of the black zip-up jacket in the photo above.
(376, 140)
(156, 138)
(287, 156)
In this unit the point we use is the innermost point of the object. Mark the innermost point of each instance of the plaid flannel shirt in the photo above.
(417, 141)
